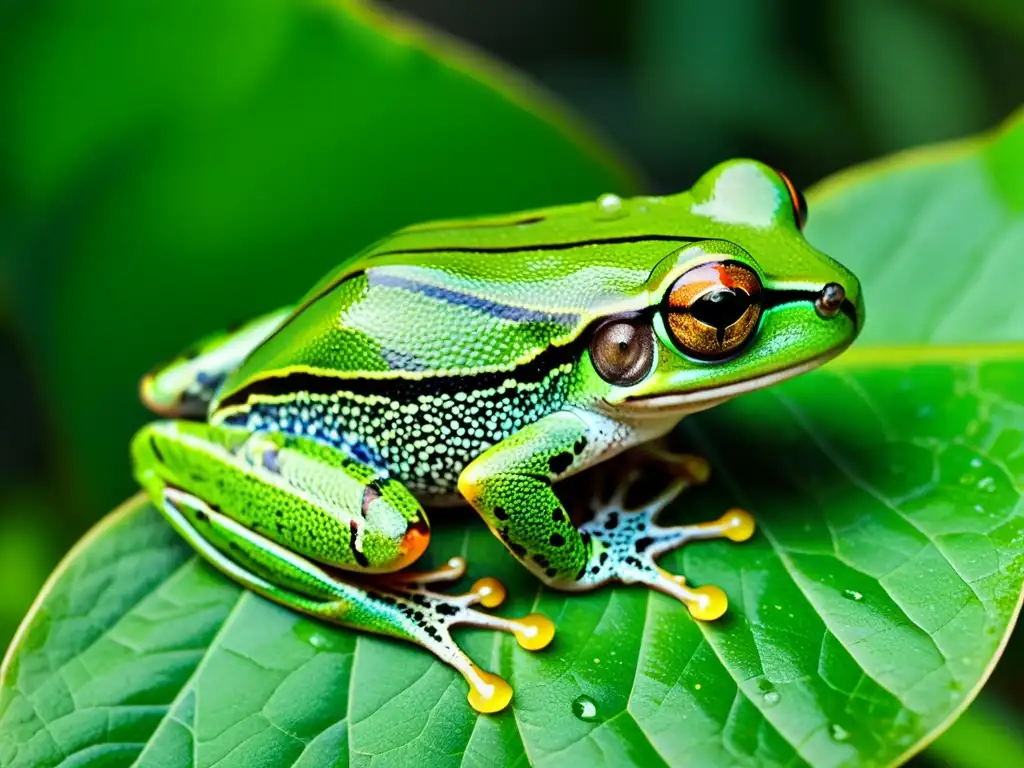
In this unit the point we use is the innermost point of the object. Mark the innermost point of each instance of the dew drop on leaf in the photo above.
(771, 698)
(584, 708)
(852, 594)
(610, 204)
(838, 732)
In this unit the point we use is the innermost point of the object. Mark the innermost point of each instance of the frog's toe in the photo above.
(431, 616)
(627, 543)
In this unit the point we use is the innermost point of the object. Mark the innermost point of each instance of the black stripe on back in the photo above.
(542, 246)
(404, 389)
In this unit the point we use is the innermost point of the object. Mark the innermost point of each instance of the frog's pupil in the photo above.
(720, 308)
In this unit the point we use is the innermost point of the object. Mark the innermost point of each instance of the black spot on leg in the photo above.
(541, 561)
(595, 570)
(201, 516)
(279, 513)
(558, 514)
(643, 543)
(360, 558)
(500, 513)
(604, 558)
(550, 573)
(557, 540)
(446, 610)
(560, 462)
(612, 522)
(517, 549)
(580, 445)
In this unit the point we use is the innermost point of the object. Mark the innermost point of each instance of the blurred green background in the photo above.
(676, 85)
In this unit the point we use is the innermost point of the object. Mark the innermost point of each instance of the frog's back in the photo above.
(476, 295)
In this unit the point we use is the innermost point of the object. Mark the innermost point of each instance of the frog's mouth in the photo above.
(693, 401)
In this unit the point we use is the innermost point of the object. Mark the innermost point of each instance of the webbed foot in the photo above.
(431, 615)
(398, 605)
(629, 541)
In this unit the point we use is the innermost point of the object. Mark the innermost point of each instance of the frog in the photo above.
(483, 361)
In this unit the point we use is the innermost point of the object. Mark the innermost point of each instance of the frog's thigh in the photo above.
(306, 497)
(510, 486)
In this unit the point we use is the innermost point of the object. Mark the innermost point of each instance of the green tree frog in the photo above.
(483, 360)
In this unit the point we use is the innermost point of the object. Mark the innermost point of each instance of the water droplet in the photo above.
(838, 732)
(852, 594)
(696, 686)
(771, 698)
(610, 204)
(317, 640)
(597, 661)
(976, 462)
(584, 708)
(979, 509)
(987, 484)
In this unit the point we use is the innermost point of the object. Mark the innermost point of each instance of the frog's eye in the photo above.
(796, 197)
(712, 309)
(622, 350)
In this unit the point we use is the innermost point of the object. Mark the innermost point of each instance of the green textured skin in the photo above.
(451, 358)
(303, 495)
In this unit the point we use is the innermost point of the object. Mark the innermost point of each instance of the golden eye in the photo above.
(712, 309)
(622, 351)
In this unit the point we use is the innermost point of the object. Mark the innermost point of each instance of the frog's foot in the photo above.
(626, 542)
(431, 616)
(398, 605)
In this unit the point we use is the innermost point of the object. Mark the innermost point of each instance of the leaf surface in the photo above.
(867, 612)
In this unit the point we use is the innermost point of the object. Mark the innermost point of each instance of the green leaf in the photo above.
(935, 236)
(863, 617)
(171, 168)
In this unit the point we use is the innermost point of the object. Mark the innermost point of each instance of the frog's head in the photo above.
(750, 306)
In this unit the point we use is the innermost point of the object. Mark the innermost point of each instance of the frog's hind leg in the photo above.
(397, 605)
(632, 540)
(184, 386)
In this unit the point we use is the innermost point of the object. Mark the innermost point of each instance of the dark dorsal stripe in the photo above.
(541, 246)
(404, 388)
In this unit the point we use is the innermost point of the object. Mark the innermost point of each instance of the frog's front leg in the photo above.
(270, 510)
(510, 485)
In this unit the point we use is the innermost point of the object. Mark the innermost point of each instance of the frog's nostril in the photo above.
(830, 300)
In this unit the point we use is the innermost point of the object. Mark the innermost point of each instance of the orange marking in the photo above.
(414, 544)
